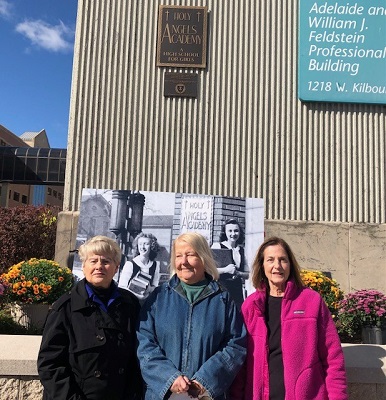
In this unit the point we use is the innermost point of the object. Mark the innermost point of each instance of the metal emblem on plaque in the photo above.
(180, 84)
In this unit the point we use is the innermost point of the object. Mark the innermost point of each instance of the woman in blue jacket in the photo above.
(191, 336)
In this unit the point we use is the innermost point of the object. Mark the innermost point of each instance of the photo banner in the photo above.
(136, 219)
(342, 51)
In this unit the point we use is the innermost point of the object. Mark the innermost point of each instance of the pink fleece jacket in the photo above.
(312, 354)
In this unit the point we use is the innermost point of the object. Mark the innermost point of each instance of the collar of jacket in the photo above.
(213, 286)
(96, 299)
(291, 291)
(80, 297)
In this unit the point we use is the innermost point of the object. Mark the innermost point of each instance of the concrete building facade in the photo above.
(16, 194)
(320, 167)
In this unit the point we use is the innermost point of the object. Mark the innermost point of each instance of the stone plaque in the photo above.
(180, 84)
(182, 36)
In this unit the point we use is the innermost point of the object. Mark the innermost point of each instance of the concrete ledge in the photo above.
(18, 355)
(365, 363)
(365, 366)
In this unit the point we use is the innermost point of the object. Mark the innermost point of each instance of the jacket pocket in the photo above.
(311, 384)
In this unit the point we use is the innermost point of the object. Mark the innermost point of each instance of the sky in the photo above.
(36, 50)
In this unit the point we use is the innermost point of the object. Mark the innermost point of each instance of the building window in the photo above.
(9, 194)
(59, 195)
(24, 199)
(49, 191)
(16, 196)
(55, 193)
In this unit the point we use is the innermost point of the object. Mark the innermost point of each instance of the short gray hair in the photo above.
(101, 246)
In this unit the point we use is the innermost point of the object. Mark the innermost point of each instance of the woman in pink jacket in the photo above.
(294, 351)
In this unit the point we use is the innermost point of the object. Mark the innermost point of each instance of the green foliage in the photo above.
(26, 232)
(348, 326)
(8, 326)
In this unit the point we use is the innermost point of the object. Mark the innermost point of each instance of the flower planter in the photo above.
(30, 315)
(373, 335)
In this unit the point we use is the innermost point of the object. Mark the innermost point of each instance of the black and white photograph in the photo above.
(144, 224)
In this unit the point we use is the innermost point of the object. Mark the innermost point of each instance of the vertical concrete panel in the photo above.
(67, 228)
(245, 135)
(367, 256)
(318, 246)
(252, 228)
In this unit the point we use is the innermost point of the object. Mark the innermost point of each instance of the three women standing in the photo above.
(191, 336)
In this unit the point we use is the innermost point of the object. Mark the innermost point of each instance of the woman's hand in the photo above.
(229, 269)
(180, 385)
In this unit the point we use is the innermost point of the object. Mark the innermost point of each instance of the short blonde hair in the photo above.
(201, 247)
(101, 246)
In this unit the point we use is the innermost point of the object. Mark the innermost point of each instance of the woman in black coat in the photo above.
(88, 345)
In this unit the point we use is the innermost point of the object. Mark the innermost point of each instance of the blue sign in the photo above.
(342, 51)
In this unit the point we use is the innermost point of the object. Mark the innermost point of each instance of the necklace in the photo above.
(276, 292)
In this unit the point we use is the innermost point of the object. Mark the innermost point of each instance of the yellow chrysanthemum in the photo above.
(328, 288)
(37, 280)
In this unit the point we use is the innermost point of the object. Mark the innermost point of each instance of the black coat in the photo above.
(87, 353)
